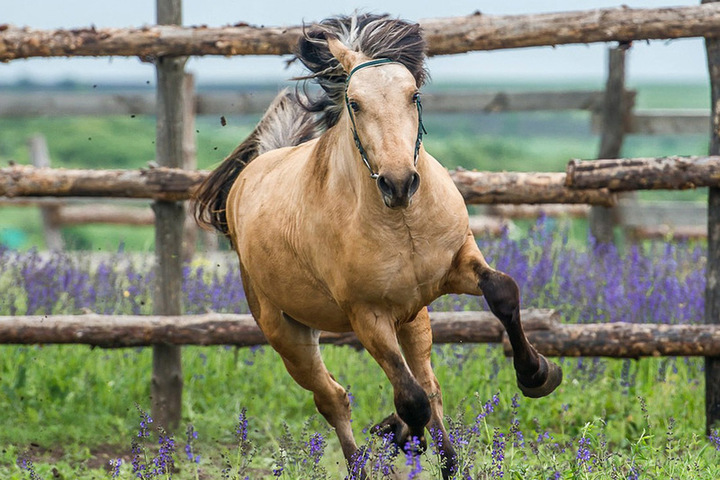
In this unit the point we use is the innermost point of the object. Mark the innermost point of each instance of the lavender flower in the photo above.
(498, 454)
(190, 437)
(583, 456)
(316, 447)
(412, 457)
(28, 466)
(715, 438)
(115, 467)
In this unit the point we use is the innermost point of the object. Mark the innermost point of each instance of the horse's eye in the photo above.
(354, 106)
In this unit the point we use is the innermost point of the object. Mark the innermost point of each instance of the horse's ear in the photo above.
(347, 58)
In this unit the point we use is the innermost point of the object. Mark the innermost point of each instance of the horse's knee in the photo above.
(501, 293)
(413, 406)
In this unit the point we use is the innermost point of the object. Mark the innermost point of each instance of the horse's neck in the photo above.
(340, 169)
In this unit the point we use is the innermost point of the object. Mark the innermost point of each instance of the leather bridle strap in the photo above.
(358, 143)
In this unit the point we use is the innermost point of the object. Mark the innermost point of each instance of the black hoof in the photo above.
(401, 436)
(553, 378)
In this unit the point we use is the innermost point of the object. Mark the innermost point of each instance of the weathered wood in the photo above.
(159, 183)
(543, 328)
(669, 122)
(172, 184)
(669, 173)
(712, 289)
(445, 35)
(167, 378)
(534, 211)
(112, 214)
(614, 116)
(15, 105)
(524, 187)
(40, 158)
(627, 340)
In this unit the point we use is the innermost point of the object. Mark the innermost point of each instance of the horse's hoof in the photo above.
(554, 378)
(399, 434)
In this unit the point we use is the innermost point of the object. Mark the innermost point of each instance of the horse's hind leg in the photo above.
(298, 345)
(471, 274)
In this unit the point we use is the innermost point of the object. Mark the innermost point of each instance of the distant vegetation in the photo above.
(539, 141)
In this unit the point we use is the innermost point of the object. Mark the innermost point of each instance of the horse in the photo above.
(343, 222)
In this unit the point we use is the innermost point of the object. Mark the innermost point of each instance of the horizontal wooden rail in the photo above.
(543, 328)
(444, 35)
(178, 184)
(15, 105)
(661, 173)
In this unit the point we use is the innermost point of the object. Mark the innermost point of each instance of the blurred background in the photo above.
(664, 78)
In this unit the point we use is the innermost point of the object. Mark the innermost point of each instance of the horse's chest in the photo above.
(404, 267)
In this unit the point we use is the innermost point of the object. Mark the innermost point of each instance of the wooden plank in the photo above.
(445, 35)
(673, 214)
(112, 214)
(40, 158)
(612, 133)
(660, 173)
(15, 105)
(712, 289)
(174, 184)
(167, 378)
(543, 328)
(670, 122)
(523, 187)
(169, 184)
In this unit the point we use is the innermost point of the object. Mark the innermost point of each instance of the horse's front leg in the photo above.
(377, 331)
(416, 342)
(471, 274)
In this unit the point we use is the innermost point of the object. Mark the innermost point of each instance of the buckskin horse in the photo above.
(343, 222)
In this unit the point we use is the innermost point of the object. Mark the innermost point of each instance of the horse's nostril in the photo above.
(385, 186)
(413, 184)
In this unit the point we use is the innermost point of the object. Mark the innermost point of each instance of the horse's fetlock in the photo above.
(413, 406)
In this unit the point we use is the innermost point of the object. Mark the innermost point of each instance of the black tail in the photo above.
(284, 124)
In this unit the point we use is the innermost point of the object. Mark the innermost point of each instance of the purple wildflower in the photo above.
(498, 454)
(241, 430)
(28, 466)
(145, 421)
(715, 438)
(316, 447)
(115, 466)
(190, 437)
(583, 453)
(412, 457)
(164, 461)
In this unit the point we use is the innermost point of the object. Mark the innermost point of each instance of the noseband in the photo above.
(358, 143)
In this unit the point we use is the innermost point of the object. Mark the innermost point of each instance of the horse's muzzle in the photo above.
(397, 192)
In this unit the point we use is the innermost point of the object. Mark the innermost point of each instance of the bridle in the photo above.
(358, 143)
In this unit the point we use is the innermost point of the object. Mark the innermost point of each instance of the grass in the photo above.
(72, 409)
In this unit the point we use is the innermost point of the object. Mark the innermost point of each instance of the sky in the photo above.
(677, 60)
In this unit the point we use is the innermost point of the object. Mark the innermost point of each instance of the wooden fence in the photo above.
(168, 44)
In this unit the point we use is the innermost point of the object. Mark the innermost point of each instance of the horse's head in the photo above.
(384, 115)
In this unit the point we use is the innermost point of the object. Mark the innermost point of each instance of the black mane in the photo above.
(376, 36)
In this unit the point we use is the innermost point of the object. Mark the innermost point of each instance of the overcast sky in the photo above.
(657, 61)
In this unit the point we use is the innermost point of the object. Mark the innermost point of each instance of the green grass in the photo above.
(71, 402)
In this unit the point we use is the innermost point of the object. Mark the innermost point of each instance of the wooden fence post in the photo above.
(167, 379)
(712, 289)
(613, 116)
(40, 157)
